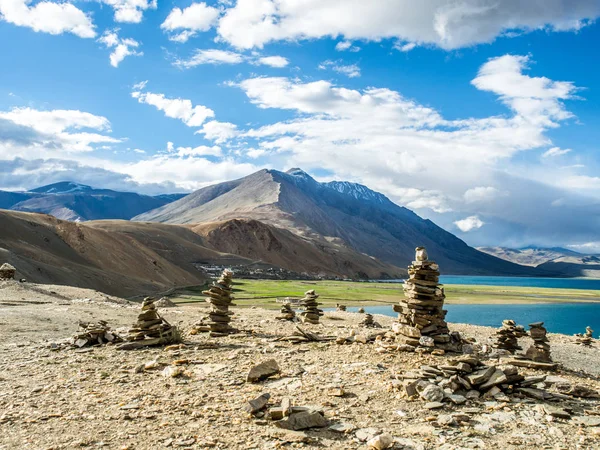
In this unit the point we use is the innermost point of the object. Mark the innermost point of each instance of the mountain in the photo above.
(78, 202)
(340, 214)
(559, 260)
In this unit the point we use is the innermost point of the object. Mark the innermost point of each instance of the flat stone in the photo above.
(434, 405)
(342, 427)
(446, 420)
(432, 393)
(587, 421)
(365, 434)
(532, 364)
(381, 442)
(263, 371)
(498, 377)
(480, 376)
(406, 330)
(258, 403)
(303, 420)
(457, 399)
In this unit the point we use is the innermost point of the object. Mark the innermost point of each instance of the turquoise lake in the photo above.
(565, 318)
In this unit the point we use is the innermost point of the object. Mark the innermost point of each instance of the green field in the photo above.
(264, 293)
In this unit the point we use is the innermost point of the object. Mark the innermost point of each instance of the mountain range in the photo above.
(78, 202)
(345, 216)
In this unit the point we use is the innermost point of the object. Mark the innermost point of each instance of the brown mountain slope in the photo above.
(116, 257)
(256, 240)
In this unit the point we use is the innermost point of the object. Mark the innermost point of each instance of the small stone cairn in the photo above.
(586, 338)
(312, 312)
(91, 333)
(340, 307)
(369, 322)
(539, 351)
(7, 272)
(507, 337)
(220, 299)
(421, 317)
(151, 328)
(286, 312)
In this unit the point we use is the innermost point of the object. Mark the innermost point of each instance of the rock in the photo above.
(263, 371)
(480, 376)
(555, 411)
(426, 341)
(7, 272)
(258, 403)
(457, 399)
(434, 405)
(172, 371)
(366, 434)
(498, 377)
(303, 420)
(532, 364)
(446, 420)
(220, 299)
(432, 393)
(587, 421)
(342, 427)
(381, 442)
(311, 311)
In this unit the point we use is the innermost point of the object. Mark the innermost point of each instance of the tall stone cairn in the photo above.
(507, 337)
(220, 299)
(151, 327)
(7, 272)
(312, 312)
(540, 349)
(586, 338)
(421, 316)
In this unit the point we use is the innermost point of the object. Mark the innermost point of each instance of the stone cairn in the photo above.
(340, 307)
(151, 328)
(7, 272)
(91, 333)
(586, 338)
(507, 337)
(312, 312)
(286, 312)
(540, 349)
(421, 317)
(220, 299)
(369, 322)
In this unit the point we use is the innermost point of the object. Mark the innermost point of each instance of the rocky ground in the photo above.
(63, 398)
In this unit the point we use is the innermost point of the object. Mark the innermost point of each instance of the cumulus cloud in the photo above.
(216, 56)
(121, 48)
(350, 70)
(182, 24)
(344, 46)
(481, 194)
(405, 47)
(218, 131)
(176, 108)
(443, 23)
(130, 11)
(586, 247)
(48, 17)
(201, 150)
(555, 151)
(469, 223)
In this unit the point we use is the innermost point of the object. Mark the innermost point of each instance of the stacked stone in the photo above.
(340, 307)
(540, 350)
(286, 312)
(369, 322)
(151, 326)
(507, 337)
(7, 272)
(421, 317)
(220, 299)
(586, 338)
(94, 334)
(312, 312)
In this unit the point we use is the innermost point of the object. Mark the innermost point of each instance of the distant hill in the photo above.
(338, 214)
(78, 202)
(558, 260)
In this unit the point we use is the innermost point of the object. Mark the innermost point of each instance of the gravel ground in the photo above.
(65, 399)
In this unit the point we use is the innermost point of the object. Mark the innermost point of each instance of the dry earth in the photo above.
(68, 399)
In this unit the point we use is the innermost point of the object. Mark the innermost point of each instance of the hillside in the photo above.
(558, 260)
(256, 240)
(116, 257)
(78, 202)
(340, 213)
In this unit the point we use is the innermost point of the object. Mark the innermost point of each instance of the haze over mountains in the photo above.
(341, 214)
(78, 202)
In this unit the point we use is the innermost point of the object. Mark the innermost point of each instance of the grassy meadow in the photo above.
(264, 293)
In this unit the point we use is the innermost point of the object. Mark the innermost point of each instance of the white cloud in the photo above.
(210, 56)
(350, 70)
(587, 247)
(469, 223)
(202, 150)
(176, 108)
(215, 56)
(140, 86)
(444, 23)
(481, 194)
(343, 46)
(170, 147)
(47, 17)
(183, 24)
(218, 131)
(405, 47)
(256, 153)
(121, 48)
(555, 151)
(273, 61)
(130, 11)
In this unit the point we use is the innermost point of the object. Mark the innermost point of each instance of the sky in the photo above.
(481, 115)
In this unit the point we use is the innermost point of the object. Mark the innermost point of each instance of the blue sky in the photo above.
(481, 115)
